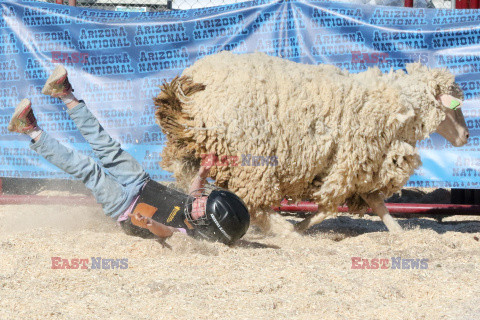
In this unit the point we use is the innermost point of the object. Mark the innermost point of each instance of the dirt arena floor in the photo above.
(263, 277)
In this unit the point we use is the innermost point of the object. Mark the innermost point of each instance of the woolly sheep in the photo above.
(337, 137)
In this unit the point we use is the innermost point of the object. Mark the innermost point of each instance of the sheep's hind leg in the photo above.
(375, 201)
(261, 219)
(310, 221)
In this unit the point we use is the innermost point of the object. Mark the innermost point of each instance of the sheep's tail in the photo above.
(173, 121)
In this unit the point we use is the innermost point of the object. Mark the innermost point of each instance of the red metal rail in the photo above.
(405, 208)
(421, 208)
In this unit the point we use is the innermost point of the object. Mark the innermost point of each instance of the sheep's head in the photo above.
(444, 95)
(453, 127)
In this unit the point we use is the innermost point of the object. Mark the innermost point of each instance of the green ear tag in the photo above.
(454, 104)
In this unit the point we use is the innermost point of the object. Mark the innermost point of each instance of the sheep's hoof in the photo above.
(395, 229)
(263, 222)
(391, 224)
(302, 226)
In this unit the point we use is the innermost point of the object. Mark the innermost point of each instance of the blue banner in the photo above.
(117, 60)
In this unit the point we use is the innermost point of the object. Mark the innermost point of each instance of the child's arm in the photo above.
(200, 179)
(160, 229)
(155, 227)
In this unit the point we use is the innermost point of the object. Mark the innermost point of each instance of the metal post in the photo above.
(474, 4)
(72, 3)
(59, 1)
(409, 3)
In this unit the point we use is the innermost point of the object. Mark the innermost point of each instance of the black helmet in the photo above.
(226, 217)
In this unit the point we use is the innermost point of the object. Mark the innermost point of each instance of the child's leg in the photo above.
(113, 197)
(120, 164)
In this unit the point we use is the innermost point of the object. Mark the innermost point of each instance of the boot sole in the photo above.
(58, 75)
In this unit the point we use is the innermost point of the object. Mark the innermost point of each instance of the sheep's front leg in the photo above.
(310, 221)
(375, 201)
(272, 223)
(184, 173)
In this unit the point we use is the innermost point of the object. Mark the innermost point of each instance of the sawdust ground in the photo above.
(263, 277)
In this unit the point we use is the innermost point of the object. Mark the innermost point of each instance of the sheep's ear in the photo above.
(450, 102)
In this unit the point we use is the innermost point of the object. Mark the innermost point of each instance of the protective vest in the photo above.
(163, 204)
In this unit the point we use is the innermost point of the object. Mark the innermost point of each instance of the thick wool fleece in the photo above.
(336, 135)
